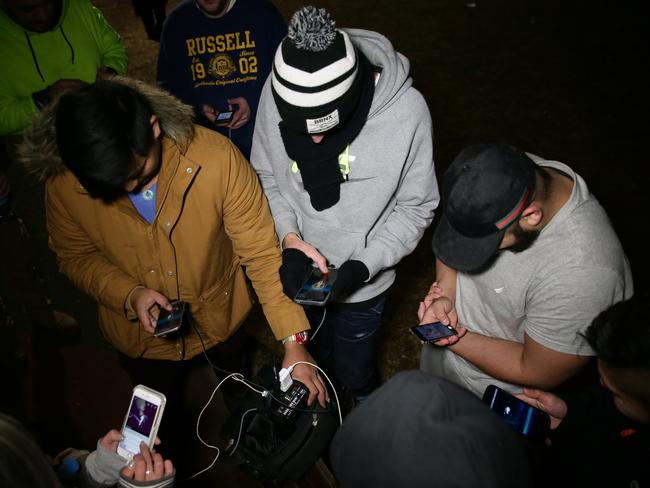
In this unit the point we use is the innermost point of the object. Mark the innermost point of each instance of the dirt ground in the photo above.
(564, 80)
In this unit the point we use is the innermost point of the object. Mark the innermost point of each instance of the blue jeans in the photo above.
(345, 344)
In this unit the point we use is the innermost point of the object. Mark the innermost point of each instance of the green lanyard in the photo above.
(344, 163)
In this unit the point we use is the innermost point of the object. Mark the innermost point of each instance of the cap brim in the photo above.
(461, 252)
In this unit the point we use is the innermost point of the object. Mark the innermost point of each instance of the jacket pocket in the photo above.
(219, 311)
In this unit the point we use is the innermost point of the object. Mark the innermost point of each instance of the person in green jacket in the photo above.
(47, 47)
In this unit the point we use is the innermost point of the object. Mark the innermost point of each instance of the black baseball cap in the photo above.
(483, 192)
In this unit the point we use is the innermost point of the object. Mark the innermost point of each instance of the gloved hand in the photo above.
(351, 275)
(294, 270)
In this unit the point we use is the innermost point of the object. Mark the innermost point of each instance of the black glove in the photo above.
(351, 275)
(295, 269)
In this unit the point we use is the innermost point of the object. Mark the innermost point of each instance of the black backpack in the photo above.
(271, 440)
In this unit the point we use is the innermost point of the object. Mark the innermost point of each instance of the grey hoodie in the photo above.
(391, 193)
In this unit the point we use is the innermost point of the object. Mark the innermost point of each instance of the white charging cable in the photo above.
(236, 377)
(319, 325)
(241, 428)
(288, 374)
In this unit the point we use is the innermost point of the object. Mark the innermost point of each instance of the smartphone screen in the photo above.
(223, 117)
(316, 290)
(140, 421)
(524, 418)
(170, 321)
(432, 332)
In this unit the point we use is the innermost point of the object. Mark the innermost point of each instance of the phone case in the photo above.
(142, 420)
(419, 331)
(164, 327)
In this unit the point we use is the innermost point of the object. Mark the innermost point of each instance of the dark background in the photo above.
(564, 80)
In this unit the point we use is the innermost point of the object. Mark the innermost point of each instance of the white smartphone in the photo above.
(141, 421)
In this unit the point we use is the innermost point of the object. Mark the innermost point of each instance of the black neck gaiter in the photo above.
(319, 163)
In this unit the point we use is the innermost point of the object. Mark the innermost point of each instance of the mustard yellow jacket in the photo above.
(212, 222)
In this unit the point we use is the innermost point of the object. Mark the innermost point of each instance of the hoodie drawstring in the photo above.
(31, 48)
(69, 45)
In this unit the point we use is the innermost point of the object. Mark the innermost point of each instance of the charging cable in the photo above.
(198, 420)
(236, 377)
(322, 320)
(241, 428)
(286, 373)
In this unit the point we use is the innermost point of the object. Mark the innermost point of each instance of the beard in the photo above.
(523, 238)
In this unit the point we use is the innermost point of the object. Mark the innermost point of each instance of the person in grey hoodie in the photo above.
(343, 148)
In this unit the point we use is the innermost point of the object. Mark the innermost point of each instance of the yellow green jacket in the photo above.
(80, 43)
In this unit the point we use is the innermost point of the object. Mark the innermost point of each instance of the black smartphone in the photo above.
(432, 332)
(223, 118)
(317, 288)
(169, 322)
(529, 421)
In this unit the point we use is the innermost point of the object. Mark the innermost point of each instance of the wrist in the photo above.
(301, 338)
(456, 346)
(128, 301)
(290, 238)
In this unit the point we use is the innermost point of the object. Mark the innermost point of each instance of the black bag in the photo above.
(272, 441)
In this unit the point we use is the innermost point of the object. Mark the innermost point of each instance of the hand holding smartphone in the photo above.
(433, 332)
(169, 322)
(224, 118)
(141, 421)
(529, 421)
(317, 288)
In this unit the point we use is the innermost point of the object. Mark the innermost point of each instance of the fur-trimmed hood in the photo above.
(38, 151)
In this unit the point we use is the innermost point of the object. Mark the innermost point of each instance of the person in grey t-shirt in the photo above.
(525, 259)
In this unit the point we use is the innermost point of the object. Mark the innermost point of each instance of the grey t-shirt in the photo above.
(551, 291)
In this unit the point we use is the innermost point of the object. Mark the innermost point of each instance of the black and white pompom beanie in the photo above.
(316, 77)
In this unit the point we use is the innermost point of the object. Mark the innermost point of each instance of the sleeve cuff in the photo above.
(129, 313)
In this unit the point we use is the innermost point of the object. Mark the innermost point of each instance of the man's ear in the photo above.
(531, 216)
(155, 126)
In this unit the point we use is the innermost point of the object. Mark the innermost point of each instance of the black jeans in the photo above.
(345, 344)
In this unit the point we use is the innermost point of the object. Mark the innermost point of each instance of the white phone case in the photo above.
(141, 421)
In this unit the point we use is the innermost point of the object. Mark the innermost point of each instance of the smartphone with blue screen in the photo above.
(224, 118)
(529, 421)
(317, 288)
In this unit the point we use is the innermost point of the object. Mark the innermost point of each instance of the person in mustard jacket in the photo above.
(143, 207)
